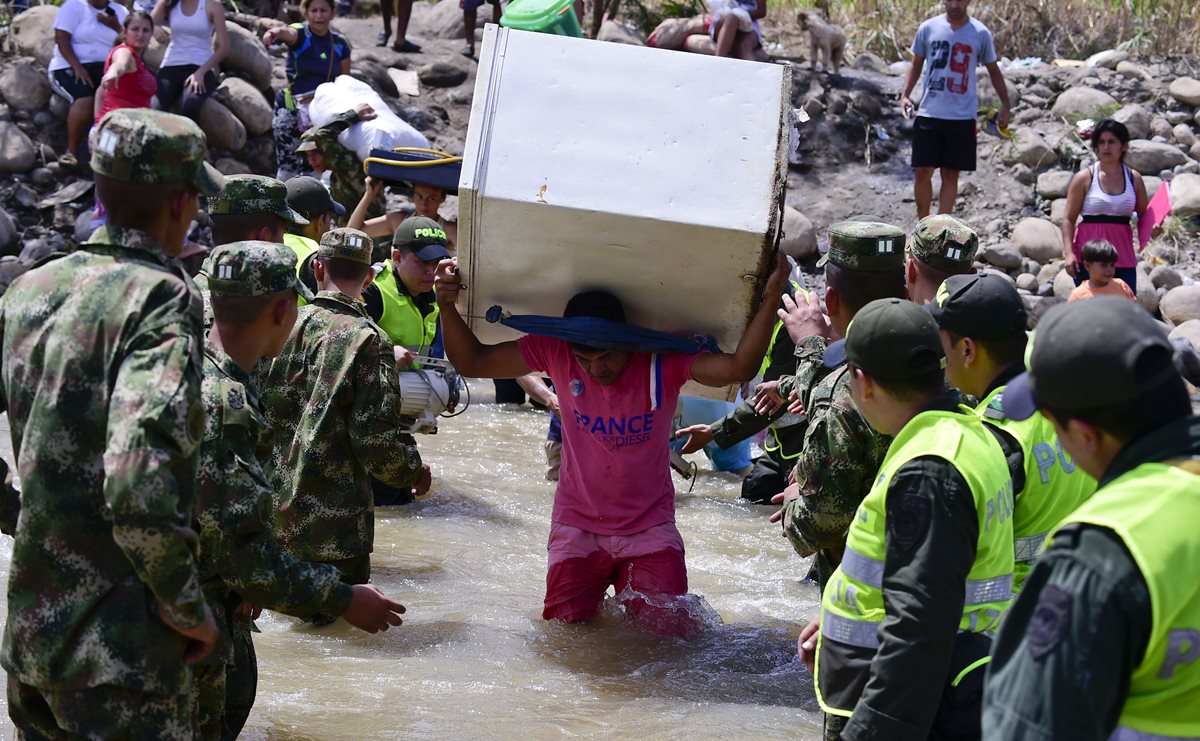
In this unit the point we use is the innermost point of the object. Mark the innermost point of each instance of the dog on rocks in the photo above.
(824, 38)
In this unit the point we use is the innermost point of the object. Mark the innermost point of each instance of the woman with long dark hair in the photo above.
(1107, 194)
(188, 72)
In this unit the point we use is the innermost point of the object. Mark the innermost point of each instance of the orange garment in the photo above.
(1116, 287)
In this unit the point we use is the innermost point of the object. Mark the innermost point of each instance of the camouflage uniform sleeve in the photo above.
(834, 472)
(329, 132)
(389, 454)
(155, 422)
(10, 499)
(252, 563)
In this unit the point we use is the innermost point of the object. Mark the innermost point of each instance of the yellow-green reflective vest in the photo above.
(303, 247)
(1054, 486)
(1154, 509)
(402, 320)
(852, 603)
(771, 442)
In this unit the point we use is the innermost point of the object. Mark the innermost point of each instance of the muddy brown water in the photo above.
(474, 659)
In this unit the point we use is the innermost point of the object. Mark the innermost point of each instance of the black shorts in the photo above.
(64, 83)
(939, 142)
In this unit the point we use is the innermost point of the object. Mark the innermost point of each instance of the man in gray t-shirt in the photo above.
(944, 132)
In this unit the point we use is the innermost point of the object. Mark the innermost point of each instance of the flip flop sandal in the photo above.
(382, 38)
(68, 160)
(469, 52)
(407, 47)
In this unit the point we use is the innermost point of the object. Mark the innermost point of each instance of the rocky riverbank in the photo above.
(852, 159)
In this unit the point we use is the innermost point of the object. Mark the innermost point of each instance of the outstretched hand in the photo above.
(447, 282)
(697, 437)
(806, 644)
(805, 318)
(371, 610)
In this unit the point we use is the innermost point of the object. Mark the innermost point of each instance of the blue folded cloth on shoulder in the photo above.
(603, 334)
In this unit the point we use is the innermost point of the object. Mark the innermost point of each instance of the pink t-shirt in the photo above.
(616, 476)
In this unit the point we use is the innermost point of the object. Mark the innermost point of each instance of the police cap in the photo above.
(890, 339)
(983, 306)
(423, 237)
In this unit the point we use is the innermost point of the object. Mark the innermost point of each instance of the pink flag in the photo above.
(1156, 213)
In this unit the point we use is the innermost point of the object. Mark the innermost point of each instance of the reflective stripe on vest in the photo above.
(1154, 510)
(303, 247)
(402, 321)
(852, 605)
(1054, 485)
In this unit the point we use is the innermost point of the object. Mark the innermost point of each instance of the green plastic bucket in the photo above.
(542, 16)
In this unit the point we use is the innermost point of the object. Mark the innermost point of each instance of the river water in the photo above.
(474, 659)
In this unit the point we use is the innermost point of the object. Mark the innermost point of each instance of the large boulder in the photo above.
(1190, 331)
(799, 239)
(1108, 59)
(1166, 277)
(1064, 283)
(17, 153)
(1030, 149)
(9, 235)
(445, 20)
(1049, 272)
(619, 33)
(443, 73)
(1185, 195)
(248, 56)
(1002, 256)
(11, 268)
(25, 86)
(33, 33)
(1151, 158)
(1181, 304)
(1037, 239)
(1133, 71)
(1146, 295)
(1051, 185)
(223, 129)
(1082, 102)
(1136, 119)
(1186, 90)
(1058, 211)
(229, 166)
(247, 103)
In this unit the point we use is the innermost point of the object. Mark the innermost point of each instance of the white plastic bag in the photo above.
(384, 132)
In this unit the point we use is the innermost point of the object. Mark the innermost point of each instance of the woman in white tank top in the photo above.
(1107, 195)
(188, 72)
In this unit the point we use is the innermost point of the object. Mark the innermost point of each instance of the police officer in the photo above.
(401, 298)
(332, 397)
(840, 452)
(906, 618)
(982, 321)
(785, 431)
(1104, 641)
(254, 290)
(308, 197)
(941, 246)
(100, 377)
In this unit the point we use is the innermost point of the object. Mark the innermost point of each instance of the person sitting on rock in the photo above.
(84, 32)
(199, 40)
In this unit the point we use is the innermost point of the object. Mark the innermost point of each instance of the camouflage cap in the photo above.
(254, 194)
(254, 268)
(308, 142)
(149, 147)
(944, 243)
(870, 246)
(346, 244)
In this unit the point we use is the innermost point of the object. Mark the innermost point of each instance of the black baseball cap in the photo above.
(423, 237)
(1090, 355)
(981, 306)
(311, 198)
(890, 339)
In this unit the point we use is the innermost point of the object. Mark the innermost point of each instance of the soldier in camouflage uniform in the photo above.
(325, 154)
(941, 246)
(252, 207)
(333, 398)
(254, 288)
(100, 376)
(841, 453)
